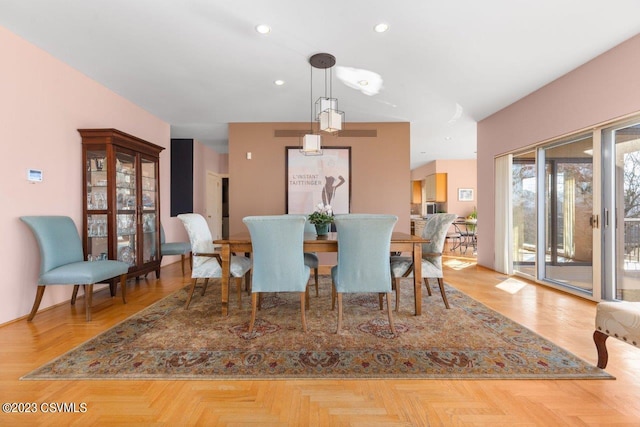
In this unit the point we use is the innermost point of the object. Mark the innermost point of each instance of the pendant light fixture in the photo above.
(327, 113)
(326, 108)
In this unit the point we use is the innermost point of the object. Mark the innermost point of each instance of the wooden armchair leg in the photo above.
(397, 288)
(426, 284)
(444, 295)
(304, 299)
(333, 296)
(88, 298)
(239, 291)
(74, 295)
(204, 287)
(193, 288)
(254, 303)
(123, 287)
(36, 303)
(391, 325)
(315, 276)
(339, 313)
(182, 263)
(380, 303)
(603, 357)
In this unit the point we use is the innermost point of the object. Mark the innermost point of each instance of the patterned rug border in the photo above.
(589, 371)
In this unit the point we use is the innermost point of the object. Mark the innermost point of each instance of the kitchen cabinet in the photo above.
(121, 198)
(435, 188)
(416, 191)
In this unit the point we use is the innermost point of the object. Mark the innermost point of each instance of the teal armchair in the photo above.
(278, 258)
(435, 230)
(62, 261)
(206, 261)
(175, 248)
(364, 244)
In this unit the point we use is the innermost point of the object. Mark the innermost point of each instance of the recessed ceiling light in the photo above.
(381, 27)
(263, 29)
(278, 82)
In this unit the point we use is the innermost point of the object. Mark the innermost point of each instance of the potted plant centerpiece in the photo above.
(322, 219)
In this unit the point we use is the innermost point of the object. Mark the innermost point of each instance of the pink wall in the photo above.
(42, 104)
(606, 88)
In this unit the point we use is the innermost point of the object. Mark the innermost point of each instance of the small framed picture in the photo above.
(465, 194)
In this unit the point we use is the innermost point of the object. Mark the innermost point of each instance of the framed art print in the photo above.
(312, 180)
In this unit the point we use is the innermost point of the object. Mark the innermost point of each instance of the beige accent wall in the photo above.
(380, 170)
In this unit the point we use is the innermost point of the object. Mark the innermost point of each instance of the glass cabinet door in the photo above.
(97, 185)
(149, 189)
(126, 207)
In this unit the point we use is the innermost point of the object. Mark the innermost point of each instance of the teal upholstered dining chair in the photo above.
(311, 258)
(175, 248)
(206, 261)
(364, 244)
(62, 261)
(278, 258)
(435, 230)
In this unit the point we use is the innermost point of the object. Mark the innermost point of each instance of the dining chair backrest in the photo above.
(278, 261)
(58, 240)
(309, 227)
(436, 229)
(364, 244)
(199, 236)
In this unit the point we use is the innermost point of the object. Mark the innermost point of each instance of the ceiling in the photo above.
(200, 64)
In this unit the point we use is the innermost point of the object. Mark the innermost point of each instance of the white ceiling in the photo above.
(199, 64)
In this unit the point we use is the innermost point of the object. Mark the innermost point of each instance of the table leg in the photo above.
(225, 256)
(417, 277)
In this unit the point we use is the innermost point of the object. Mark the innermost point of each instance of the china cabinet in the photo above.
(121, 199)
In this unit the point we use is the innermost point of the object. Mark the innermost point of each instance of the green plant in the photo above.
(322, 215)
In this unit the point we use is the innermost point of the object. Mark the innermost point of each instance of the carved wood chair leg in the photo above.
(444, 295)
(204, 287)
(182, 263)
(380, 303)
(426, 284)
(315, 277)
(123, 287)
(193, 288)
(333, 295)
(304, 299)
(603, 357)
(391, 325)
(396, 285)
(36, 303)
(339, 296)
(254, 303)
(239, 291)
(247, 282)
(191, 261)
(88, 297)
(74, 295)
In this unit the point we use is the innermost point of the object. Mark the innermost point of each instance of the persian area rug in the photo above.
(165, 341)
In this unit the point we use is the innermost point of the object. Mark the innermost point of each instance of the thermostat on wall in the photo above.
(34, 175)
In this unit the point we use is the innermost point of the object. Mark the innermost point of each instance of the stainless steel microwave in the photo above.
(429, 209)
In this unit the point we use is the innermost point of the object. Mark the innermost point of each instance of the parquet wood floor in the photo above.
(564, 319)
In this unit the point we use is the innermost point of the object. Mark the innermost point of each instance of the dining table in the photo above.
(400, 242)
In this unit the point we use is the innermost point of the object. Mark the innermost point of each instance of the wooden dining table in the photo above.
(400, 242)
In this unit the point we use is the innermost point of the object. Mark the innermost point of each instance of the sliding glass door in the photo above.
(621, 213)
(567, 208)
(523, 198)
